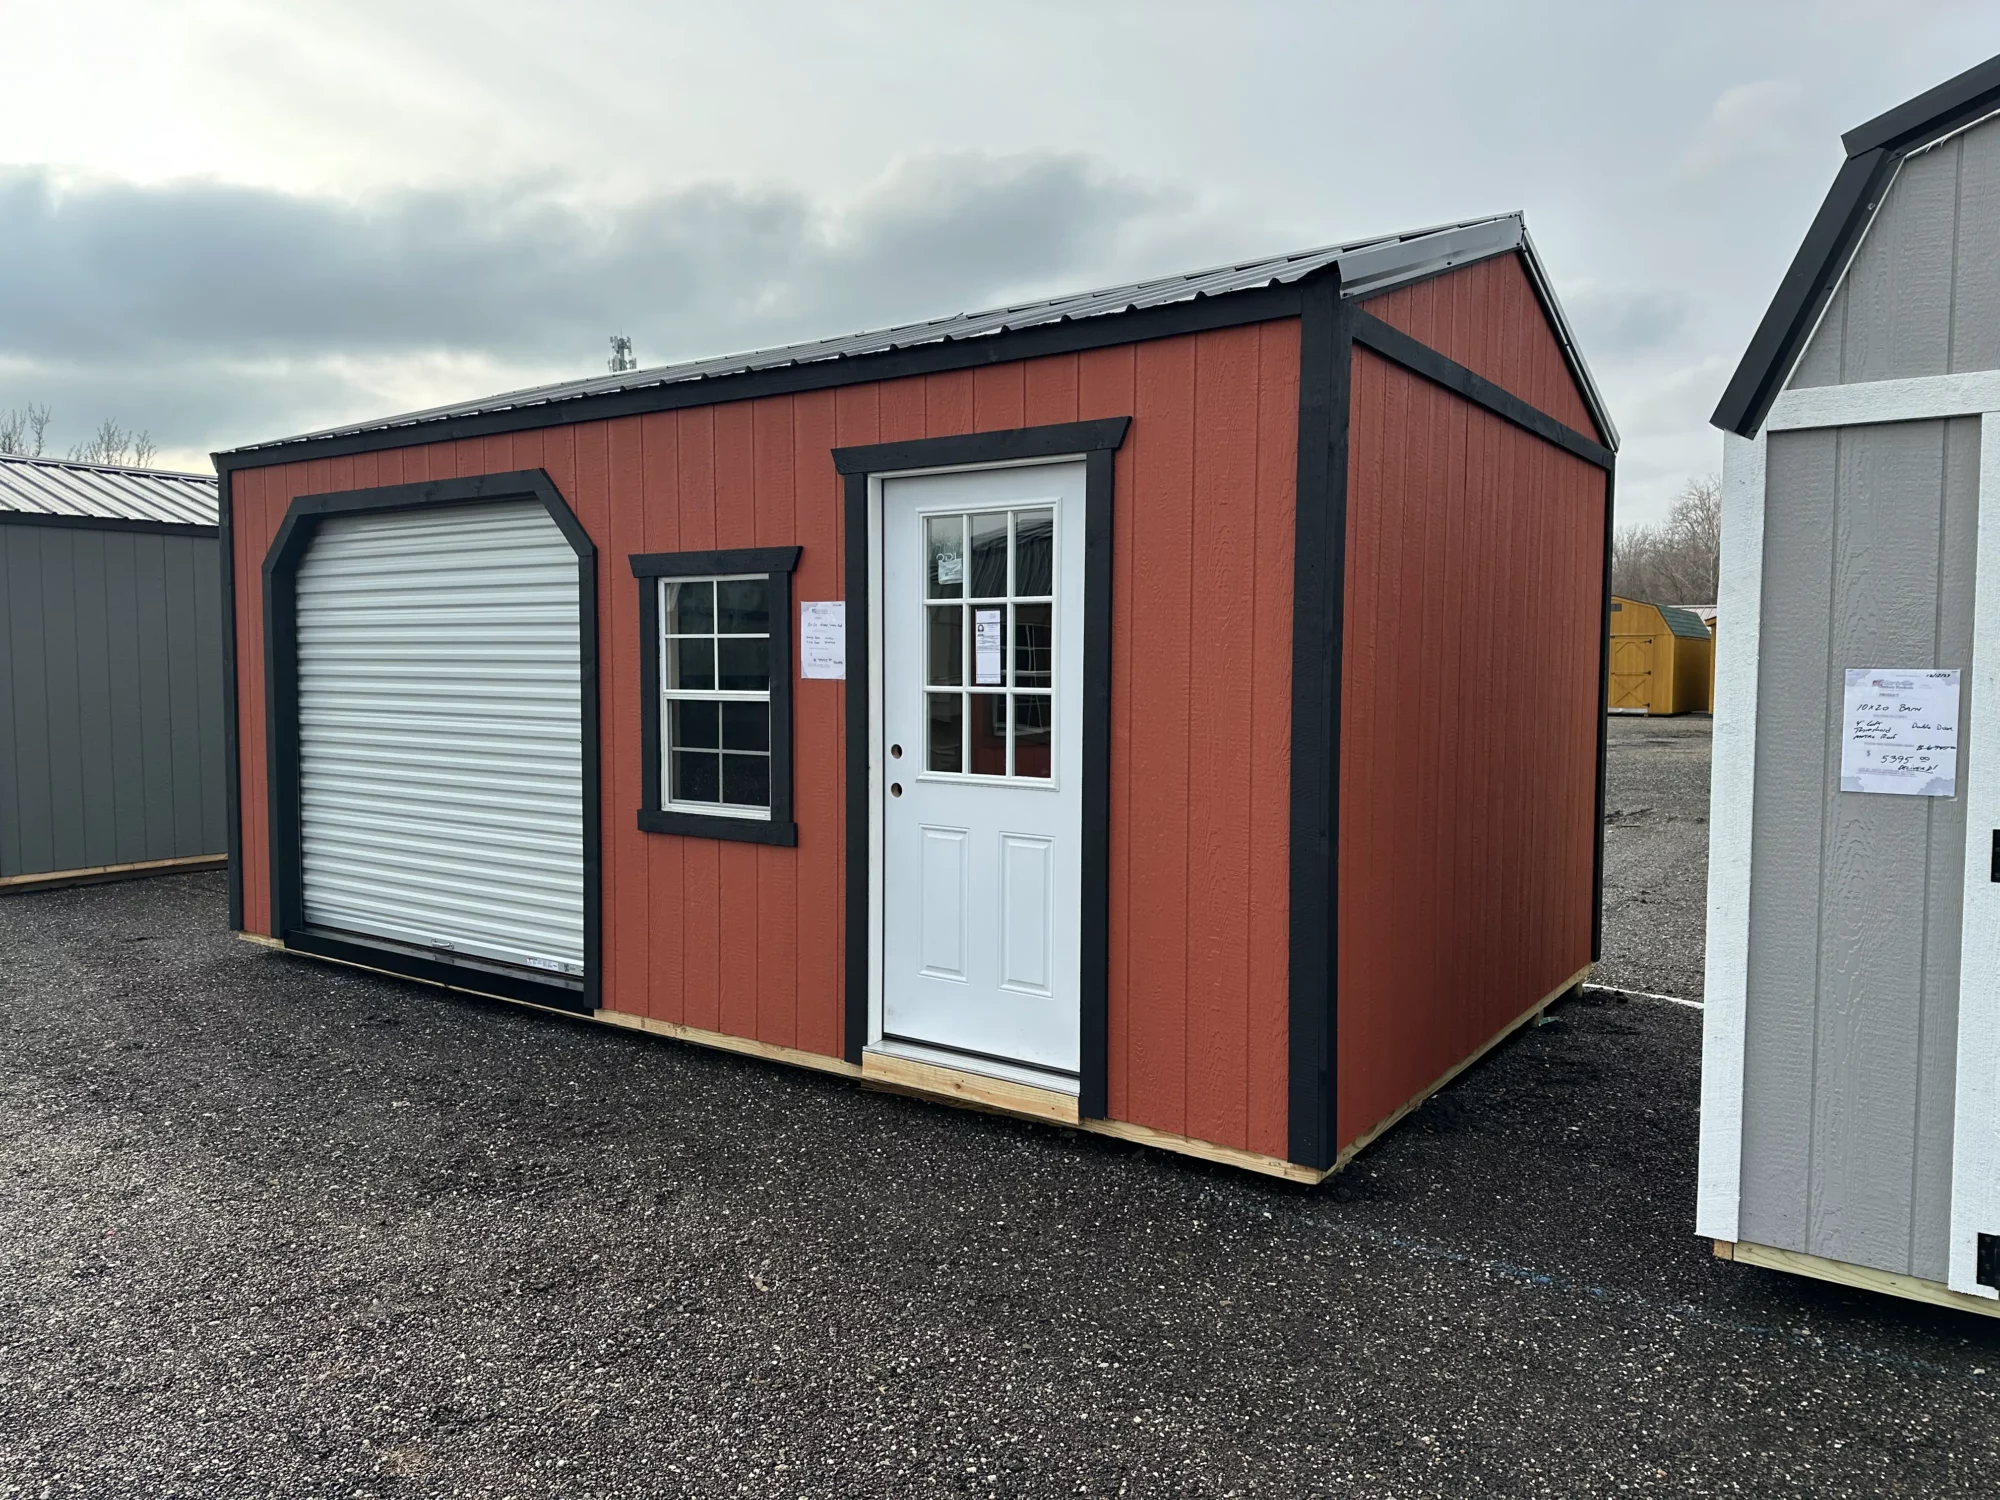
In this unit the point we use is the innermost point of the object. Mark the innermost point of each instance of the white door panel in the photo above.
(941, 943)
(1027, 888)
(982, 694)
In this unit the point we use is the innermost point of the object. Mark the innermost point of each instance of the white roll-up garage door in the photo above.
(440, 733)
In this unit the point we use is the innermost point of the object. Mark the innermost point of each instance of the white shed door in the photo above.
(440, 733)
(982, 711)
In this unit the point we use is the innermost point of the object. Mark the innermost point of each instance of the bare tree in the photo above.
(113, 444)
(1678, 561)
(23, 432)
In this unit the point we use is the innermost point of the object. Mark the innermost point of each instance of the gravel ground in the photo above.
(1656, 854)
(270, 1228)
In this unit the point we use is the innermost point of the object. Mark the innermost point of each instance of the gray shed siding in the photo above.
(1923, 294)
(111, 731)
(1870, 537)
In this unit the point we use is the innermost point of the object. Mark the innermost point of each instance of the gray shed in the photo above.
(1851, 1064)
(111, 673)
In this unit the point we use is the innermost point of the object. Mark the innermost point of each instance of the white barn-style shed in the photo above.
(1851, 1061)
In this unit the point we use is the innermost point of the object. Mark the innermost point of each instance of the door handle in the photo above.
(895, 789)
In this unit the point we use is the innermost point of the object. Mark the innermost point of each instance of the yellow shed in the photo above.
(1659, 659)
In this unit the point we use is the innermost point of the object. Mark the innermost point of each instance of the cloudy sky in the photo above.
(224, 222)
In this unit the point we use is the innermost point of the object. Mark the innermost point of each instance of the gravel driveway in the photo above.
(1656, 854)
(270, 1228)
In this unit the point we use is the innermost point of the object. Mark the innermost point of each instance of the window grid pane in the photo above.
(715, 643)
(993, 641)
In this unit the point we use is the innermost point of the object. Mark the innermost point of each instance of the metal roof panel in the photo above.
(1365, 268)
(60, 487)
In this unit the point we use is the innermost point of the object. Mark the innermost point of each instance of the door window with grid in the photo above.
(715, 690)
(989, 586)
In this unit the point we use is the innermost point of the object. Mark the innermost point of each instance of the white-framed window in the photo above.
(715, 694)
(716, 675)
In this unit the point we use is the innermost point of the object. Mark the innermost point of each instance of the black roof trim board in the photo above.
(1874, 151)
(1225, 296)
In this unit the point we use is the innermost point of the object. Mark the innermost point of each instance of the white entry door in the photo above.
(982, 696)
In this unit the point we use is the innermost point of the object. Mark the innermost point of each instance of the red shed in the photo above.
(1085, 709)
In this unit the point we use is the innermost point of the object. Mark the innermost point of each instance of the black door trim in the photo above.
(1096, 443)
(281, 719)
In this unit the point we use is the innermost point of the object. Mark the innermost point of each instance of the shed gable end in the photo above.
(1921, 295)
(1487, 317)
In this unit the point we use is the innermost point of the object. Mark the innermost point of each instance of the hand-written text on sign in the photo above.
(1901, 732)
(823, 638)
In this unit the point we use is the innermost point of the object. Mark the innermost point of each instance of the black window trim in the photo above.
(648, 568)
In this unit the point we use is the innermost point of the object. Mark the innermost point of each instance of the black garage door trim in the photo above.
(281, 716)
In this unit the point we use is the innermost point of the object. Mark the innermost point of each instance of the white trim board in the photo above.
(1917, 399)
(1975, 1141)
(1732, 793)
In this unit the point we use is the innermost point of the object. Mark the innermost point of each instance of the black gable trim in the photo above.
(1873, 151)
(1935, 112)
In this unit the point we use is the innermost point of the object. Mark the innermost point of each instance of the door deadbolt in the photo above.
(895, 789)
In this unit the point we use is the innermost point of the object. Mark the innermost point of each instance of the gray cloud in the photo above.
(128, 270)
(1617, 321)
(209, 311)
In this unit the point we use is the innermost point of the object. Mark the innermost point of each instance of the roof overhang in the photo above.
(1218, 297)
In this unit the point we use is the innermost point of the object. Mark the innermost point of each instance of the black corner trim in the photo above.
(1098, 442)
(1603, 716)
(1326, 337)
(108, 523)
(232, 741)
(1802, 296)
(1015, 443)
(1420, 358)
(281, 722)
(647, 568)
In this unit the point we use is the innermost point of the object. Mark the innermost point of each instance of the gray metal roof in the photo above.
(1365, 267)
(59, 487)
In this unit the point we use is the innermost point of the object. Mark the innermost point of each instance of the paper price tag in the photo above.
(823, 638)
(1900, 732)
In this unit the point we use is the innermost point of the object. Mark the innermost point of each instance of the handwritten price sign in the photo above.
(1901, 732)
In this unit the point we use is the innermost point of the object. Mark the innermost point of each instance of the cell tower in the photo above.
(621, 354)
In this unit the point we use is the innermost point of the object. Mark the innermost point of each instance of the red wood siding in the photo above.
(1488, 318)
(749, 940)
(1468, 737)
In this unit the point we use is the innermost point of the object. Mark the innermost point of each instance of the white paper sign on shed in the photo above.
(823, 638)
(1901, 732)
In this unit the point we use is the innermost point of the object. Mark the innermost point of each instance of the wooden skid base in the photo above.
(1369, 1137)
(882, 1070)
(724, 1042)
(57, 879)
(994, 1095)
(1890, 1283)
